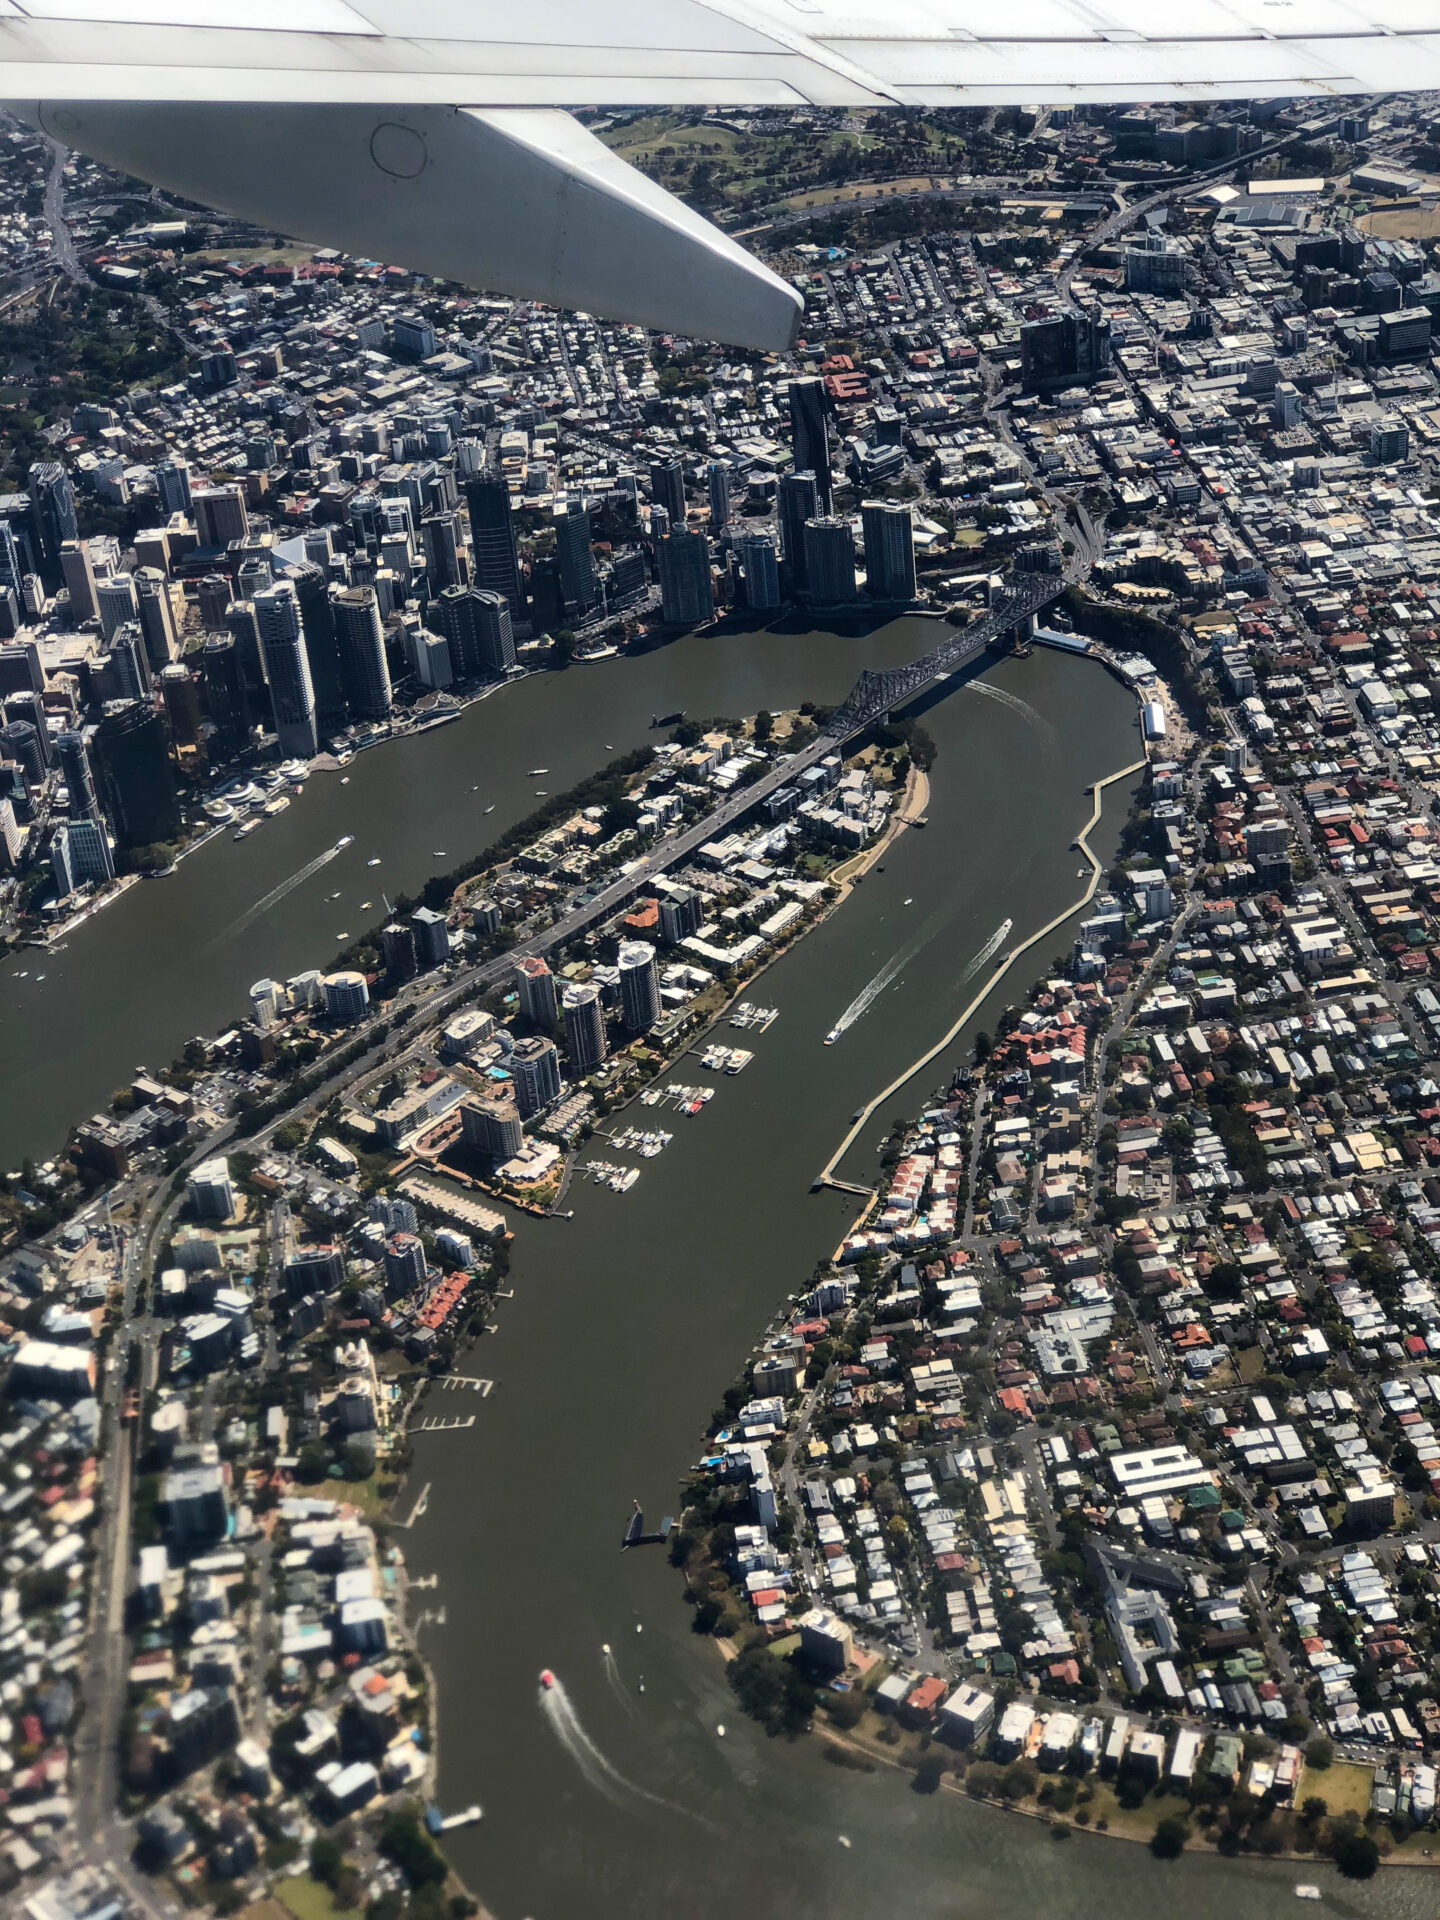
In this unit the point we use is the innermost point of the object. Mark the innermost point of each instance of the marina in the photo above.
(639, 1140)
(756, 1019)
(718, 1059)
(606, 1173)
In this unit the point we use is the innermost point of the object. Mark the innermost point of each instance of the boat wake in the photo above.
(559, 1710)
(617, 1685)
(598, 1771)
(886, 977)
(276, 895)
(988, 952)
(1014, 703)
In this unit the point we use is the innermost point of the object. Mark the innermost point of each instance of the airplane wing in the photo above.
(428, 132)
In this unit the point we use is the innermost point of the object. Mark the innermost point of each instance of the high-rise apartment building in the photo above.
(76, 772)
(287, 668)
(717, 478)
(667, 489)
(535, 1069)
(585, 1039)
(639, 986)
(810, 436)
(796, 501)
(135, 777)
(492, 540)
(682, 565)
(572, 553)
(361, 642)
(760, 568)
(535, 985)
(829, 562)
(889, 534)
(52, 513)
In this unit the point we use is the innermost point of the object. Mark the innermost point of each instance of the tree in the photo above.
(1168, 1840)
(327, 1857)
(928, 1774)
(313, 1462)
(772, 1691)
(1357, 1855)
(405, 1841)
(1319, 1753)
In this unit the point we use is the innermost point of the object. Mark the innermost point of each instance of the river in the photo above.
(173, 958)
(629, 1321)
(627, 1324)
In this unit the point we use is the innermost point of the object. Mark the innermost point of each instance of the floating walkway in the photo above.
(464, 1380)
(827, 1178)
(457, 1425)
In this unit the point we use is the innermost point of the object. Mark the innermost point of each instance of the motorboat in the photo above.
(489, 809)
(373, 863)
(547, 1678)
(345, 840)
(535, 771)
(832, 1036)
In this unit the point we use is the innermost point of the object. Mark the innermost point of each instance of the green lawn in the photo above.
(308, 1900)
(1342, 1787)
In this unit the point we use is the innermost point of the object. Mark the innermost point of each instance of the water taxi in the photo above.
(242, 833)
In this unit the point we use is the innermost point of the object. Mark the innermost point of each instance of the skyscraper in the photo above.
(536, 986)
(225, 700)
(179, 688)
(492, 539)
(829, 562)
(75, 771)
(810, 435)
(244, 630)
(52, 509)
(667, 489)
(129, 663)
(172, 484)
(220, 515)
(135, 777)
(79, 572)
(572, 552)
(535, 1068)
(80, 856)
(585, 1040)
(115, 599)
(361, 641)
(476, 623)
(717, 476)
(1064, 348)
(317, 623)
(761, 570)
(639, 986)
(444, 560)
(287, 667)
(682, 563)
(156, 616)
(797, 500)
(889, 550)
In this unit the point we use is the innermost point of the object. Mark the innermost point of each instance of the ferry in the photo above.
(832, 1036)
(242, 833)
(547, 1678)
(345, 840)
(277, 805)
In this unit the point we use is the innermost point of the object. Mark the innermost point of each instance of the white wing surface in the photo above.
(111, 77)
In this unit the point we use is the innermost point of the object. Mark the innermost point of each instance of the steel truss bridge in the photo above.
(875, 694)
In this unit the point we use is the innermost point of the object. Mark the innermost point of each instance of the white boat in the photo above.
(372, 863)
(534, 772)
(248, 828)
(542, 793)
(342, 936)
(832, 1036)
(365, 905)
(277, 805)
(345, 840)
(489, 809)
(437, 853)
(1307, 1892)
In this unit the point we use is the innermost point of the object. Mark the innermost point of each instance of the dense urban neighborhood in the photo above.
(1097, 1472)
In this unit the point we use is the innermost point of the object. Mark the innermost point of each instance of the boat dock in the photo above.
(457, 1425)
(636, 1536)
(607, 1173)
(756, 1019)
